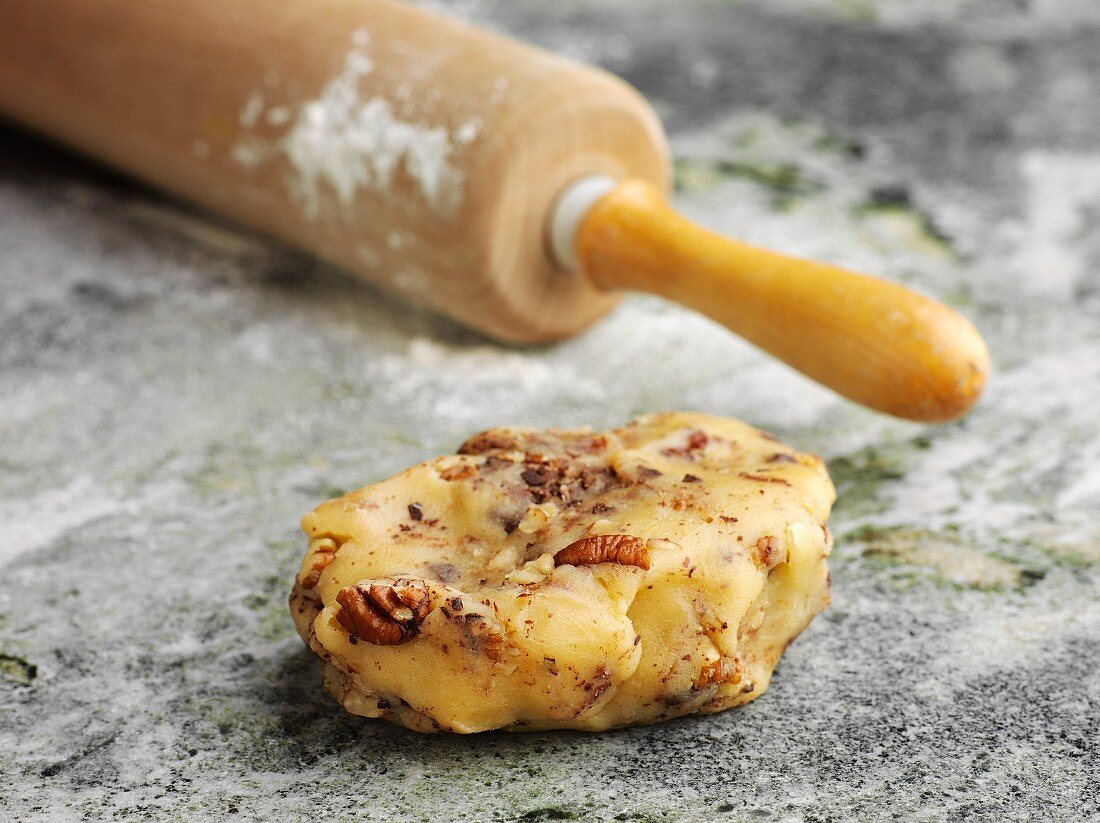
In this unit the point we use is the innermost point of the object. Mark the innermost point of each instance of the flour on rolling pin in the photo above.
(346, 143)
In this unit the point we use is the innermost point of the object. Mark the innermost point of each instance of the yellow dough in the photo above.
(566, 579)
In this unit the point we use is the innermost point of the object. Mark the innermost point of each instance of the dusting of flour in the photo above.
(31, 524)
(344, 143)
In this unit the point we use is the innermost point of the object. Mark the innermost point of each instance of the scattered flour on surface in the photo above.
(1063, 199)
(33, 523)
(903, 14)
(468, 385)
(28, 525)
(997, 639)
(481, 364)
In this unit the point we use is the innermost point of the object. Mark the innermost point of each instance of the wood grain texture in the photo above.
(161, 91)
(872, 341)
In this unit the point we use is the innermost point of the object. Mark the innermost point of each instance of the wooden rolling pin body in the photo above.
(413, 150)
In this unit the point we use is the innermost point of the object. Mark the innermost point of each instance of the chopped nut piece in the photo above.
(536, 476)
(459, 471)
(533, 571)
(537, 517)
(696, 441)
(762, 478)
(491, 440)
(605, 548)
(769, 552)
(718, 673)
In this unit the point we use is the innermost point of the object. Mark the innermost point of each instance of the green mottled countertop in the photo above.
(175, 394)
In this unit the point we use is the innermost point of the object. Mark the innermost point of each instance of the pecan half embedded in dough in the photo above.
(623, 549)
(324, 552)
(383, 612)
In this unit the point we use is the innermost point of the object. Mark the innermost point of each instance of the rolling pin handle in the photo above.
(873, 341)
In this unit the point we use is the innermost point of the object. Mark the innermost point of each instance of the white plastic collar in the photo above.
(569, 209)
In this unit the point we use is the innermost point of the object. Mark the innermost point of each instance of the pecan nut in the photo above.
(384, 612)
(624, 549)
(324, 552)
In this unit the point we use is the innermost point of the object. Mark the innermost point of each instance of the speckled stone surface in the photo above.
(174, 395)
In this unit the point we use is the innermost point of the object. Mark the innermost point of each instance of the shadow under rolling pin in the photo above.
(509, 188)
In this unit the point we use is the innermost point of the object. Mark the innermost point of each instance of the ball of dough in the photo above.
(567, 579)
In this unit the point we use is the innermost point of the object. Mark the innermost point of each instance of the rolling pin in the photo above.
(509, 188)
